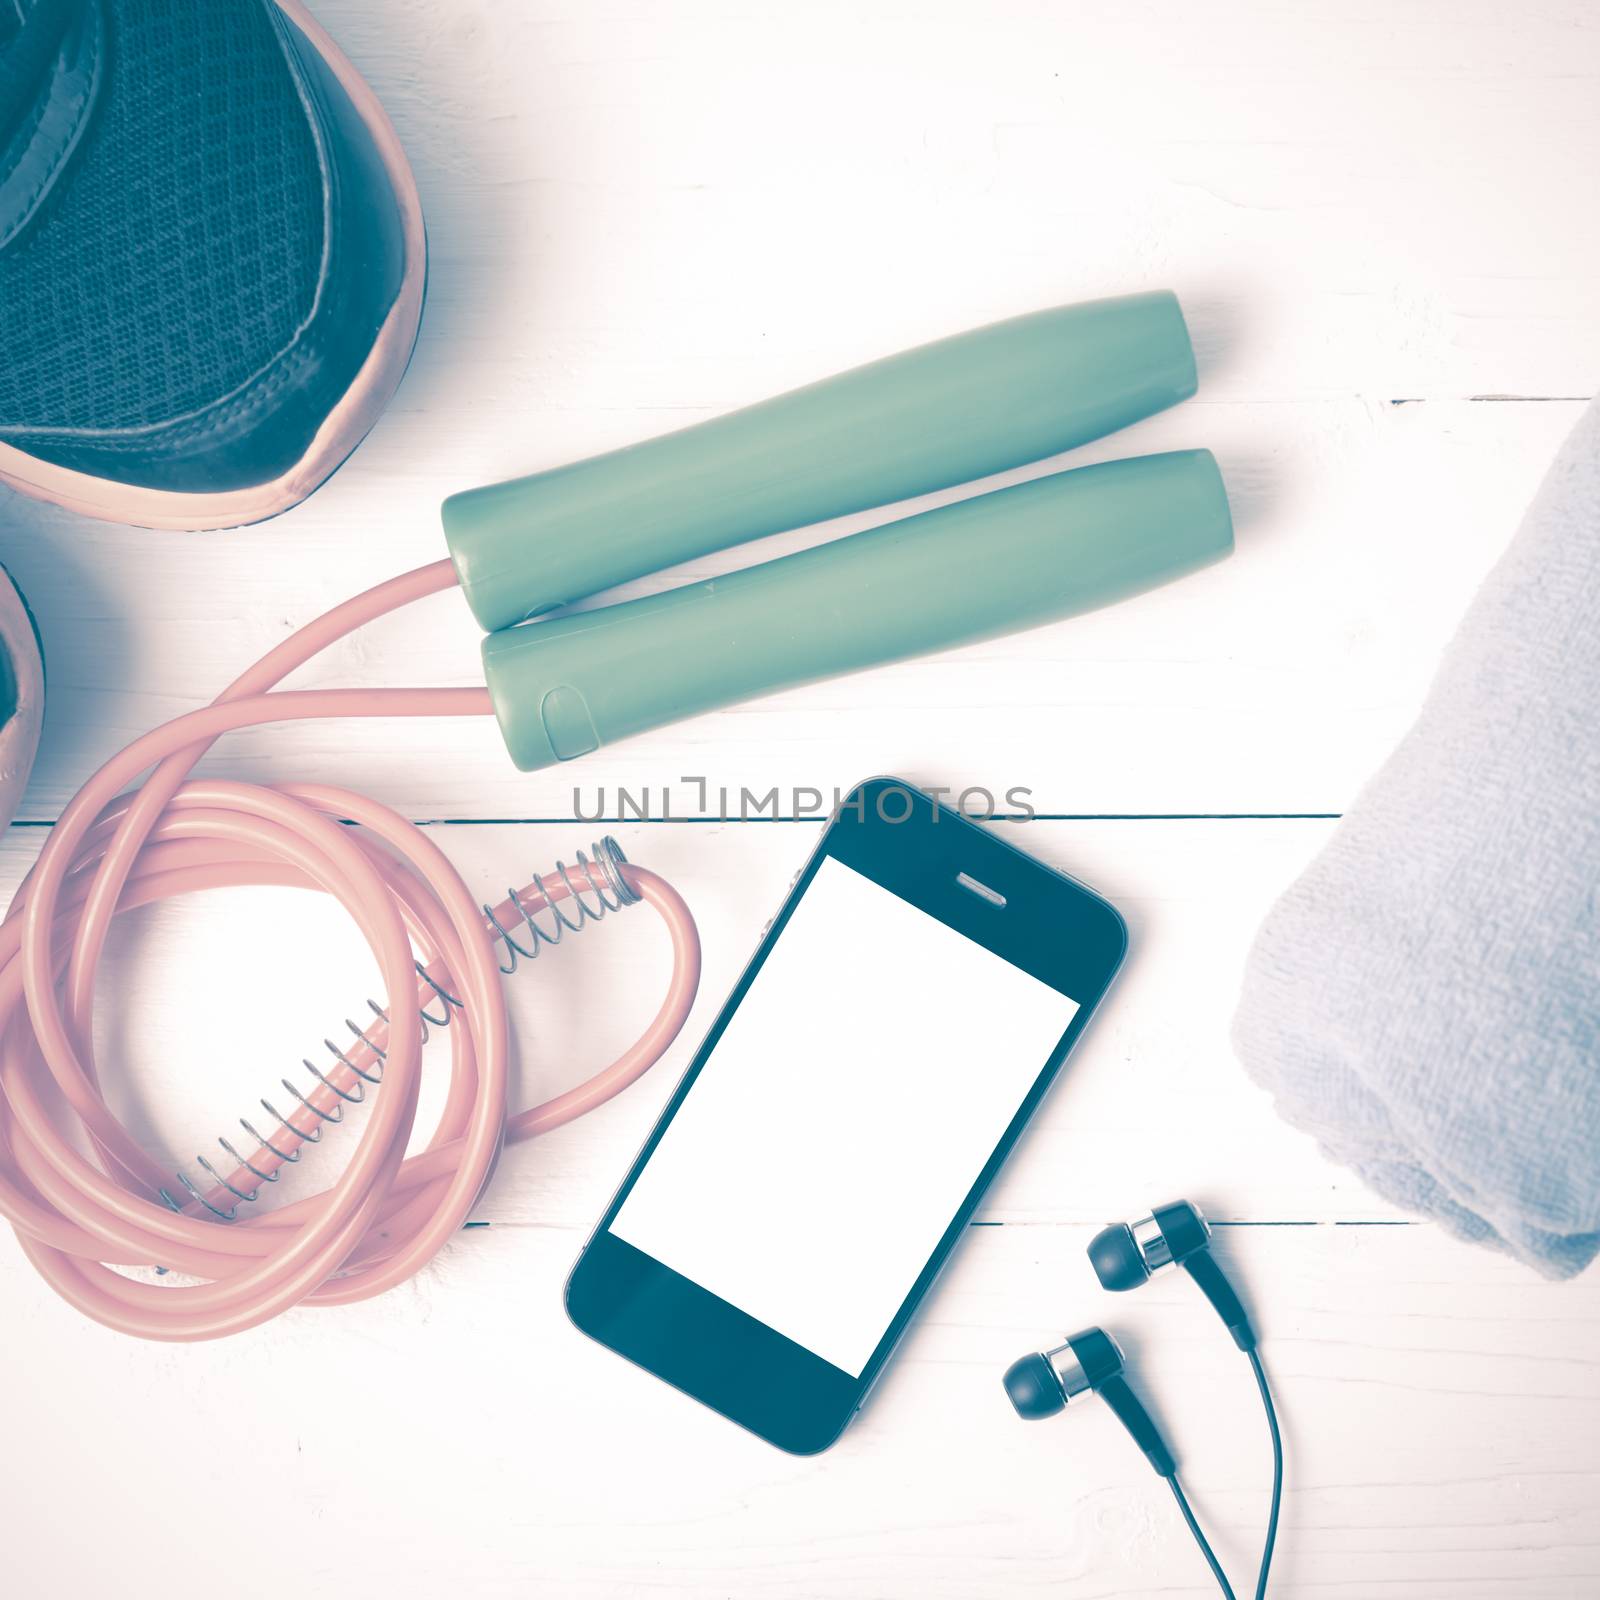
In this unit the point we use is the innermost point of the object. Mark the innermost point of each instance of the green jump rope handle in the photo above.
(1011, 559)
(965, 407)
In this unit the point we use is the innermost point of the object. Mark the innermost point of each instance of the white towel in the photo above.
(1426, 998)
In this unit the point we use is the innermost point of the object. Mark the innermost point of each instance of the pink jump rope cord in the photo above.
(84, 1198)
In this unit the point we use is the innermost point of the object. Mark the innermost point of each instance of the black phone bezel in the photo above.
(1051, 926)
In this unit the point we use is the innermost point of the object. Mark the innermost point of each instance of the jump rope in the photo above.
(86, 1200)
(81, 1213)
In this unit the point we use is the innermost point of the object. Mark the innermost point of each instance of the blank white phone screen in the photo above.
(849, 1106)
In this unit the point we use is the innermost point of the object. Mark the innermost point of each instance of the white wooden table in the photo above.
(1382, 219)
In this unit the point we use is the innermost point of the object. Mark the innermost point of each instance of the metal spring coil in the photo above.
(359, 1065)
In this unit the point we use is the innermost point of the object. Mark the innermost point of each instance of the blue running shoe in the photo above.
(21, 695)
(211, 257)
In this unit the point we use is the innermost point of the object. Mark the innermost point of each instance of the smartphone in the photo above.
(901, 1020)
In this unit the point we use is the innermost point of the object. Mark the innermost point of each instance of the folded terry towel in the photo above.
(1426, 998)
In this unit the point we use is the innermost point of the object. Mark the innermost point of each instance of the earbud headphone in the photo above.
(1128, 1254)
(1089, 1362)
(1124, 1256)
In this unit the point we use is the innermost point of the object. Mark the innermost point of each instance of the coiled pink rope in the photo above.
(83, 1197)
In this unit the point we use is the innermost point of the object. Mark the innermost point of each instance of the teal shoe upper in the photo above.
(198, 239)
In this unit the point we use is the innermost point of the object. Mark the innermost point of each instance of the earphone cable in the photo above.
(1200, 1538)
(1277, 1472)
